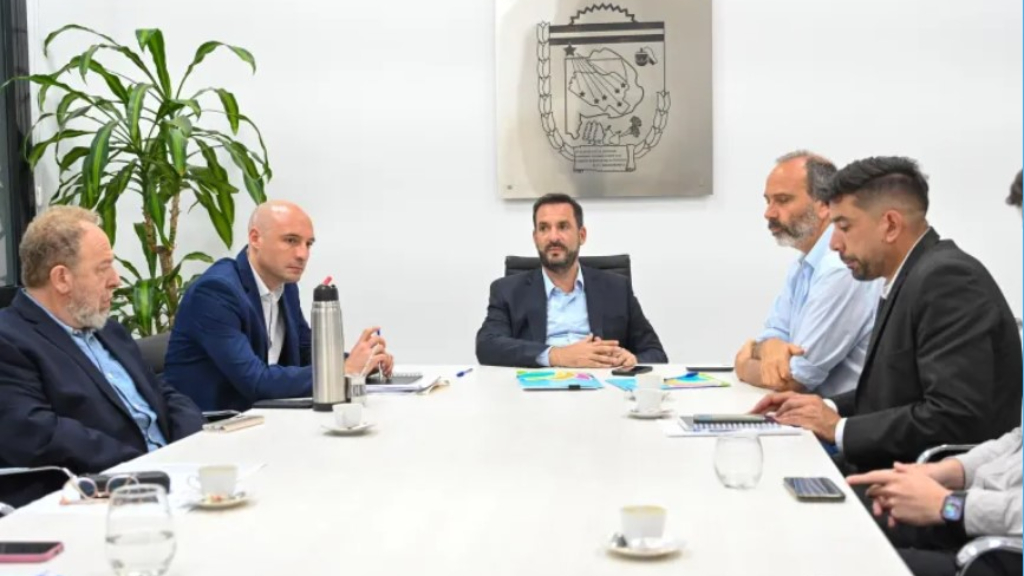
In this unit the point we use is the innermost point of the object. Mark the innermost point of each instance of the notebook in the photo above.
(683, 382)
(718, 424)
(556, 380)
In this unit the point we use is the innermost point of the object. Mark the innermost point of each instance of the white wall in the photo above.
(355, 103)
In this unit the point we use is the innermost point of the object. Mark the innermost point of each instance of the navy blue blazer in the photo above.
(516, 327)
(57, 409)
(217, 353)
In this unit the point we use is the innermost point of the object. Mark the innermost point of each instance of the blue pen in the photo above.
(462, 373)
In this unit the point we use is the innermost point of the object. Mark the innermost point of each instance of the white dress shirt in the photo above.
(272, 318)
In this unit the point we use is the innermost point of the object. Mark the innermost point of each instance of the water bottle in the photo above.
(329, 382)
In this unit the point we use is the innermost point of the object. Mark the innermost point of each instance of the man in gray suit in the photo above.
(934, 508)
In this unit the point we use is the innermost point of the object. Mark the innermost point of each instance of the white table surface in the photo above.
(482, 478)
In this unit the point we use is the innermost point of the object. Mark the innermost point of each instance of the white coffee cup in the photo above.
(648, 400)
(648, 380)
(348, 415)
(217, 480)
(643, 521)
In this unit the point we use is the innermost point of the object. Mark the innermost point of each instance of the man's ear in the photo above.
(583, 235)
(60, 279)
(894, 223)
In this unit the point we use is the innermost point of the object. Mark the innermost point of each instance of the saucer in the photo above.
(217, 503)
(335, 429)
(646, 548)
(634, 413)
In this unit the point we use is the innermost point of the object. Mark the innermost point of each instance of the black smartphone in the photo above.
(814, 490)
(18, 552)
(218, 415)
(710, 368)
(631, 371)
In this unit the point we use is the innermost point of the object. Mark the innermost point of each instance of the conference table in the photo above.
(481, 477)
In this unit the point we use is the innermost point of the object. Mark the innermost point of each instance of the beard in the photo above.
(87, 315)
(558, 265)
(861, 269)
(802, 228)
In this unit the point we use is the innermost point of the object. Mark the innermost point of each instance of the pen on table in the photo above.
(462, 373)
(380, 365)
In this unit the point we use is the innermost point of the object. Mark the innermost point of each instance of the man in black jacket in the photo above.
(944, 362)
(565, 314)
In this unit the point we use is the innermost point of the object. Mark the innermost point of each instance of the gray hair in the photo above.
(52, 239)
(820, 171)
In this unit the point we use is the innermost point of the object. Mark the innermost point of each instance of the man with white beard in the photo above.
(75, 392)
(817, 334)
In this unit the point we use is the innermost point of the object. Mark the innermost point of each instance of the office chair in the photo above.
(618, 264)
(154, 352)
(154, 349)
(978, 547)
(7, 294)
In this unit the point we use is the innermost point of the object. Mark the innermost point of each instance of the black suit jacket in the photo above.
(943, 365)
(515, 330)
(57, 409)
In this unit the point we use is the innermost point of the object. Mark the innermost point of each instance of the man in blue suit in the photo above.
(240, 336)
(565, 314)
(74, 389)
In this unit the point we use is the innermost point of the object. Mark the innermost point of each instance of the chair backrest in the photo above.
(7, 294)
(618, 264)
(154, 349)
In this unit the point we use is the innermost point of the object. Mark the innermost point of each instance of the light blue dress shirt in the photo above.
(117, 377)
(568, 321)
(830, 314)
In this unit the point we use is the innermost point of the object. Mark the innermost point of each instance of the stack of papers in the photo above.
(557, 380)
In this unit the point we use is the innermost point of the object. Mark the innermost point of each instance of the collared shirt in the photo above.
(841, 425)
(568, 321)
(272, 318)
(830, 314)
(118, 378)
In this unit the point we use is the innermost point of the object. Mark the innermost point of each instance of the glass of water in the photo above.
(140, 532)
(739, 460)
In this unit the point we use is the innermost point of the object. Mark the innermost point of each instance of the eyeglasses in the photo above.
(80, 489)
(86, 490)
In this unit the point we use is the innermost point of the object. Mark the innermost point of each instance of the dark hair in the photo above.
(577, 210)
(872, 178)
(1014, 198)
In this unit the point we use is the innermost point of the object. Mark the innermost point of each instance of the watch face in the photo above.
(953, 508)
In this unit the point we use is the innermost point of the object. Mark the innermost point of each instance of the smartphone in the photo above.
(24, 552)
(631, 371)
(709, 368)
(814, 490)
(218, 415)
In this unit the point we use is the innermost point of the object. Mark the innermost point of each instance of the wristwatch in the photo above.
(953, 507)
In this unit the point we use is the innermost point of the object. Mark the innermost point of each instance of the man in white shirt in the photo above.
(240, 335)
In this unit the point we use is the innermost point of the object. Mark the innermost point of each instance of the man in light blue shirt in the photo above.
(564, 313)
(817, 334)
(141, 412)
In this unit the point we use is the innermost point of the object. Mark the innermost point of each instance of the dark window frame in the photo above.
(16, 106)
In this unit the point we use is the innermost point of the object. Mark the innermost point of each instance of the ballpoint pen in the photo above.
(380, 365)
(462, 373)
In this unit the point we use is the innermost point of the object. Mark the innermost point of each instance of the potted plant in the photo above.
(147, 135)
